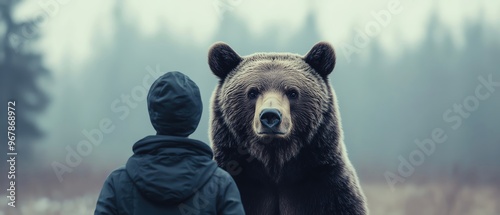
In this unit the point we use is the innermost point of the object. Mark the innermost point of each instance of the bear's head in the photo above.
(271, 104)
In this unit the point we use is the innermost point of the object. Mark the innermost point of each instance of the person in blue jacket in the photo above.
(170, 173)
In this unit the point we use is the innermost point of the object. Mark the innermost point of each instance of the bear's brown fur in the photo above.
(275, 127)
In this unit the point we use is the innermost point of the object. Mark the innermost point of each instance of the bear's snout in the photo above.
(270, 119)
(272, 115)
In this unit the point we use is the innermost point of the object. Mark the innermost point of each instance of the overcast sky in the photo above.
(71, 24)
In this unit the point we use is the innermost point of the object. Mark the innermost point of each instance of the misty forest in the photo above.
(421, 139)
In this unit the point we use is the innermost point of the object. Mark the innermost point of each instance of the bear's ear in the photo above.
(321, 58)
(222, 59)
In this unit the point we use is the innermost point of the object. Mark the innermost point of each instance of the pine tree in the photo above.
(21, 69)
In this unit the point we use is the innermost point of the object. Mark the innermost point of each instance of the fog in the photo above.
(415, 85)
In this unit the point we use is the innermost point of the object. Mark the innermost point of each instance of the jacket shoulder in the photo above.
(220, 173)
(222, 178)
(117, 173)
(119, 180)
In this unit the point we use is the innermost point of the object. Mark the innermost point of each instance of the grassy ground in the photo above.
(409, 199)
(439, 199)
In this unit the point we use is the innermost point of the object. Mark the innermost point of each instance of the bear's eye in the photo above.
(292, 94)
(253, 93)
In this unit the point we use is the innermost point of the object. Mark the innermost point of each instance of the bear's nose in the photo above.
(270, 118)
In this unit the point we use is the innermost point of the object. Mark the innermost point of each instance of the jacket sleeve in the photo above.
(229, 202)
(106, 203)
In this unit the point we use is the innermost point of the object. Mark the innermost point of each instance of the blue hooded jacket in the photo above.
(170, 173)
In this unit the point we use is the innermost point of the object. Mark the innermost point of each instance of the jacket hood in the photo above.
(174, 105)
(170, 169)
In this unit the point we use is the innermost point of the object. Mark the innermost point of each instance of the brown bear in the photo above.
(275, 127)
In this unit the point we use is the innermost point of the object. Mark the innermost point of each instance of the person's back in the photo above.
(170, 173)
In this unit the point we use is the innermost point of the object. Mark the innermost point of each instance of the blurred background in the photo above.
(417, 85)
